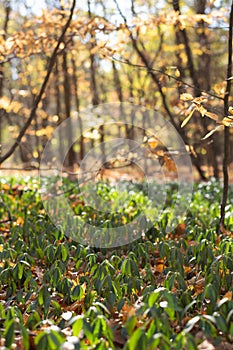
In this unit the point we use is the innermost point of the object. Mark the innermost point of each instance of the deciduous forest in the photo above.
(116, 172)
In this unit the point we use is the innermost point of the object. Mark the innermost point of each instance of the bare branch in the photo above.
(140, 66)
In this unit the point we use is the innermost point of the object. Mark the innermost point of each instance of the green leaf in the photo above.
(20, 271)
(130, 324)
(55, 340)
(9, 333)
(138, 340)
(77, 326)
(120, 305)
(64, 253)
(25, 336)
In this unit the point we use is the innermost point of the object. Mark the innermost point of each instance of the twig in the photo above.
(150, 69)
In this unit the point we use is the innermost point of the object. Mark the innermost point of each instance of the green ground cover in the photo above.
(166, 290)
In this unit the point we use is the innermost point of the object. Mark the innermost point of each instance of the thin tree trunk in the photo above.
(163, 96)
(94, 90)
(226, 130)
(119, 92)
(5, 27)
(37, 100)
(188, 51)
(67, 97)
(204, 74)
(182, 37)
(58, 111)
(77, 103)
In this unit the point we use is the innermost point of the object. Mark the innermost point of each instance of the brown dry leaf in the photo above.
(180, 229)
(127, 311)
(192, 243)
(159, 267)
(25, 317)
(169, 163)
(225, 232)
(3, 294)
(117, 334)
(39, 273)
(187, 269)
(197, 284)
(224, 346)
(76, 307)
(212, 116)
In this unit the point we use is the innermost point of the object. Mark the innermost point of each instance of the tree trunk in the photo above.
(77, 104)
(5, 27)
(71, 157)
(226, 130)
(94, 90)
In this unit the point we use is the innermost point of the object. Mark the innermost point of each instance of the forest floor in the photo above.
(168, 289)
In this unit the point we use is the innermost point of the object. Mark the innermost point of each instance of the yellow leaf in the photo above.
(177, 73)
(186, 97)
(230, 109)
(227, 121)
(201, 110)
(20, 221)
(212, 132)
(188, 118)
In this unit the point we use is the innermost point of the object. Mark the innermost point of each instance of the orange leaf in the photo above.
(180, 229)
(153, 142)
(228, 295)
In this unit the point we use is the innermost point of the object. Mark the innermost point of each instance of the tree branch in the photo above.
(140, 66)
(146, 63)
(51, 63)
